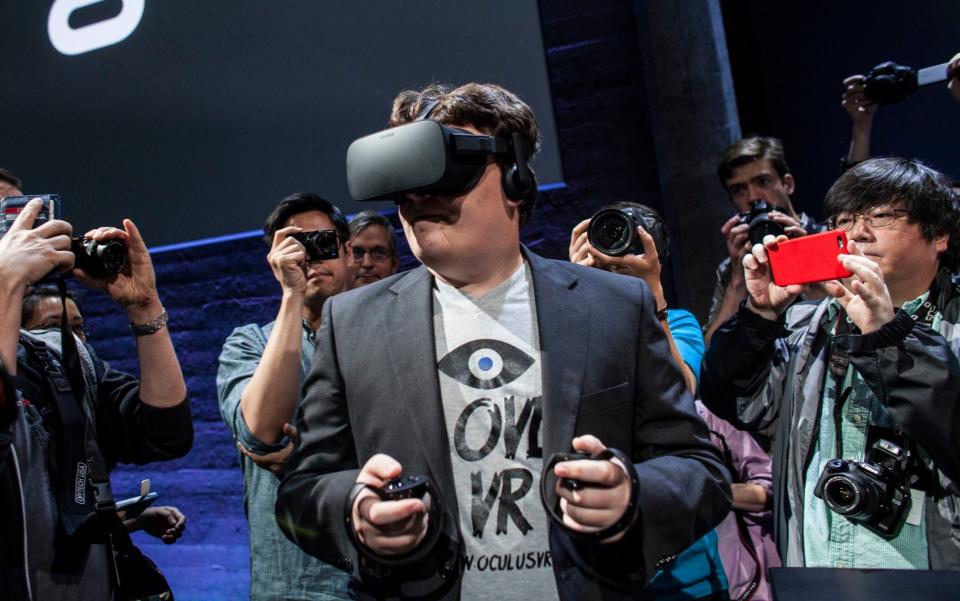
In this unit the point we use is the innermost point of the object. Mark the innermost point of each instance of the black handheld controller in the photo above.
(569, 483)
(404, 487)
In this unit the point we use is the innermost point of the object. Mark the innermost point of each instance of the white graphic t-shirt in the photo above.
(488, 355)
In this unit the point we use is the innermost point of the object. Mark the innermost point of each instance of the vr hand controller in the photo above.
(399, 489)
(551, 501)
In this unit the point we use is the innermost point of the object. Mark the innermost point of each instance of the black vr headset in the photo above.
(426, 156)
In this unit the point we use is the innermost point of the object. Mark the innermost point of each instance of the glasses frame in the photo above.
(868, 219)
(386, 254)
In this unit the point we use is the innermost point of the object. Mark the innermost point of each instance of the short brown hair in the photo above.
(748, 150)
(492, 109)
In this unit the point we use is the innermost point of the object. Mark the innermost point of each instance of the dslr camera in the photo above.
(874, 493)
(761, 224)
(614, 232)
(320, 244)
(889, 82)
(99, 259)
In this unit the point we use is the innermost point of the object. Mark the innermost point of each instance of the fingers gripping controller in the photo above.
(551, 503)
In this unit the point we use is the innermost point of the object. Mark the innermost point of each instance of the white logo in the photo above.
(80, 489)
(70, 41)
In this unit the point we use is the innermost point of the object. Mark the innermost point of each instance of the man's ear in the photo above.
(942, 242)
(789, 184)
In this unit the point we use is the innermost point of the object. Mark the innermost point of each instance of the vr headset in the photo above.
(428, 157)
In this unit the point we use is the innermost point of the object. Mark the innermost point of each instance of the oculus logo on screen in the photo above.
(72, 33)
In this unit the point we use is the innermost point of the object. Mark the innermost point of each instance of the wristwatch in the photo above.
(150, 327)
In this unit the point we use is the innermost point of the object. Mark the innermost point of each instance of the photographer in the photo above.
(258, 383)
(482, 364)
(43, 310)
(58, 450)
(857, 376)
(755, 174)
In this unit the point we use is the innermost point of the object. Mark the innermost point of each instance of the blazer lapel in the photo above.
(563, 339)
(409, 318)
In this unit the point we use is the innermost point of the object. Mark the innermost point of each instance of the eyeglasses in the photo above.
(881, 217)
(377, 254)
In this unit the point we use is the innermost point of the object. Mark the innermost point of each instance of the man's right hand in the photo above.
(736, 235)
(856, 103)
(27, 254)
(388, 527)
(288, 261)
(764, 297)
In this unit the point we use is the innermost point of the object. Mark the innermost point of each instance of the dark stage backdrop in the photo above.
(195, 117)
(790, 57)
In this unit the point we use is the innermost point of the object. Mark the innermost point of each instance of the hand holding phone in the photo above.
(809, 259)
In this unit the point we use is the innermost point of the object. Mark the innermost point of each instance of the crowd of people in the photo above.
(493, 424)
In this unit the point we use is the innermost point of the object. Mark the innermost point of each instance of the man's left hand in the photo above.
(864, 296)
(166, 523)
(605, 495)
(276, 461)
(135, 287)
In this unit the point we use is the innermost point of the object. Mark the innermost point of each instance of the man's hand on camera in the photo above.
(605, 495)
(135, 287)
(736, 236)
(579, 245)
(792, 228)
(855, 102)
(864, 296)
(277, 460)
(764, 297)
(388, 527)
(27, 254)
(954, 84)
(288, 261)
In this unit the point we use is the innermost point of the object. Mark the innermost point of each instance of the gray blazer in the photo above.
(606, 370)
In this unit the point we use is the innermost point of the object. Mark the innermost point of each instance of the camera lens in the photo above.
(841, 493)
(611, 231)
(852, 495)
(112, 255)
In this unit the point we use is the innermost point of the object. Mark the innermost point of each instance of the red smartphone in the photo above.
(809, 259)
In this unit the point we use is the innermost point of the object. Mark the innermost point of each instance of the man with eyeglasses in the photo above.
(258, 383)
(751, 170)
(874, 362)
(373, 248)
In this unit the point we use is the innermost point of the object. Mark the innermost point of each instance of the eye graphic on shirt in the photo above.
(485, 364)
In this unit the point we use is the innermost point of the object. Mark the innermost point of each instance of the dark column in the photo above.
(694, 117)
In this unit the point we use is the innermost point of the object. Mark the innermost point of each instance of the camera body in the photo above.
(320, 244)
(874, 493)
(99, 259)
(614, 232)
(761, 224)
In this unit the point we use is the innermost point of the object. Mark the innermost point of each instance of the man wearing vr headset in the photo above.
(258, 383)
(497, 359)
